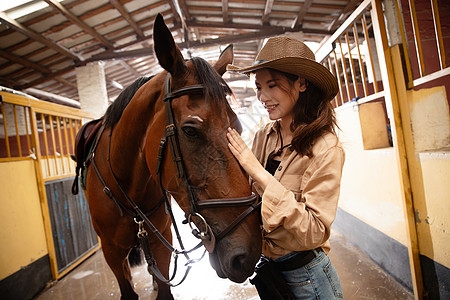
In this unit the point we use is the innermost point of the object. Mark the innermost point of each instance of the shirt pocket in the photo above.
(293, 184)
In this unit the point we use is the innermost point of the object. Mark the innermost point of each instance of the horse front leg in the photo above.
(162, 256)
(118, 262)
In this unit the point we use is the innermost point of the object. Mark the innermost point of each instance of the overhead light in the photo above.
(19, 8)
(5, 5)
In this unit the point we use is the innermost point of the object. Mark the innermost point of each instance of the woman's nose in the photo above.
(263, 96)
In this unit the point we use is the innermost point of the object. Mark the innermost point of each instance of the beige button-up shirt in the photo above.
(300, 202)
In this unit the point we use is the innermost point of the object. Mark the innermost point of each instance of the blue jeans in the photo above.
(316, 280)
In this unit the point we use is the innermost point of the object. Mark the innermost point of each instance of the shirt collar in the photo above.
(272, 127)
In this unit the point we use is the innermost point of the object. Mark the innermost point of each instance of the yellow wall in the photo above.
(430, 118)
(433, 212)
(430, 124)
(370, 187)
(22, 235)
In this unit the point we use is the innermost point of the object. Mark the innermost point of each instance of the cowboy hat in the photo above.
(289, 55)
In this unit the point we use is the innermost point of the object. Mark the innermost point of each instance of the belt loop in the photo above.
(317, 251)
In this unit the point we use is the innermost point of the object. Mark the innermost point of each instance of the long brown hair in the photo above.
(312, 115)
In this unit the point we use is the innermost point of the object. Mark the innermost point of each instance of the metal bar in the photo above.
(45, 106)
(52, 134)
(438, 32)
(323, 52)
(361, 63)
(415, 27)
(366, 35)
(26, 114)
(42, 194)
(44, 132)
(19, 146)
(61, 149)
(433, 76)
(330, 67)
(66, 139)
(352, 66)
(77, 126)
(344, 67)
(405, 46)
(72, 137)
(341, 91)
(5, 130)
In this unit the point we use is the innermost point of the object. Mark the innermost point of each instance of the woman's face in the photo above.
(277, 94)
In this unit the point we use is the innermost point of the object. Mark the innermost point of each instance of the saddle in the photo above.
(83, 144)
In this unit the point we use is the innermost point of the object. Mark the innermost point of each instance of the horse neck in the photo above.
(129, 134)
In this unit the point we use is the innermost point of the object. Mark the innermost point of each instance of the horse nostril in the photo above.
(238, 262)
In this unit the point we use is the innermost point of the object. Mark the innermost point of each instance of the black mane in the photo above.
(215, 88)
(115, 110)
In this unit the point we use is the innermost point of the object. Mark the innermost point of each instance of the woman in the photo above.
(295, 165)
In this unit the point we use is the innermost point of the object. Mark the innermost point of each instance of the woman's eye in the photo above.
(190, 131)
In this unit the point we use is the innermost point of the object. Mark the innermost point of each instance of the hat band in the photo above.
(259, 62)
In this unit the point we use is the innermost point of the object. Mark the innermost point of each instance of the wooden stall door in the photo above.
(73, 233)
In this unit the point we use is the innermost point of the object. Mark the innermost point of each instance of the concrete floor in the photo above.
(93, 280)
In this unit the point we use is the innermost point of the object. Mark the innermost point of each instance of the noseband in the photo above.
(195, 205)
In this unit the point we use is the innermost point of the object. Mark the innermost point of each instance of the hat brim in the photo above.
(312, 71)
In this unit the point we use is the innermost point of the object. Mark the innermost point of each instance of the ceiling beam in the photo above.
(302, 13)
(127, 17)
(33, 66)
(225, 11)
(37, 37)
(184, 9)
(7, 82)
(130, 68)
(193, 24)
(43, 79)
(191, 44)
(267, 12)
(120, 55)
(85, 27)
(175, 13)
(23, 61)
(338, 20)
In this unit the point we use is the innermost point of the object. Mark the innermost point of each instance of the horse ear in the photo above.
(225, 58)
(168, 54)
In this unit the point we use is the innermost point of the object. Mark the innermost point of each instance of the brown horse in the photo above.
(183, 108)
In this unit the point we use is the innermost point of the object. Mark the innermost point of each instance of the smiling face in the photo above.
(277, 93)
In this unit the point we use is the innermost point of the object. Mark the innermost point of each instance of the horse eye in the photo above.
(191, 132)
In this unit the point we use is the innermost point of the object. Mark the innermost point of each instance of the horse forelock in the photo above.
(216, 89)
(115, 110)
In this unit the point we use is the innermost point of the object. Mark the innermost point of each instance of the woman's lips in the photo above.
(270, 108)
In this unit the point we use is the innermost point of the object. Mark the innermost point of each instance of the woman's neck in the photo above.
(285, 130)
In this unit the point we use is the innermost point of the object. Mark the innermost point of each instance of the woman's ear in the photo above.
(301, 84)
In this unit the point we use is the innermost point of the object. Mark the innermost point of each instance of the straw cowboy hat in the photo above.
(292, 56)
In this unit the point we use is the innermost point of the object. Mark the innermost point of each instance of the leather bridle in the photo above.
(195, 206)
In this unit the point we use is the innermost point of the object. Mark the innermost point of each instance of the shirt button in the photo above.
(279, 168)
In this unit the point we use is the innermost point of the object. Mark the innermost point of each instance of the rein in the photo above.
(195, 206)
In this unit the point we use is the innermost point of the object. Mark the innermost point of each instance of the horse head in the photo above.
(203, 176)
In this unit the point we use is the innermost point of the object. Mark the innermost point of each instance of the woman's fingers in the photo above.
(243, 154)
(234, 138)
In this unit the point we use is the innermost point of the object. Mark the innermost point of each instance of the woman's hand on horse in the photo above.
(247, 159)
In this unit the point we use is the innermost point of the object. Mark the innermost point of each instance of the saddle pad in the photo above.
(84, 143)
